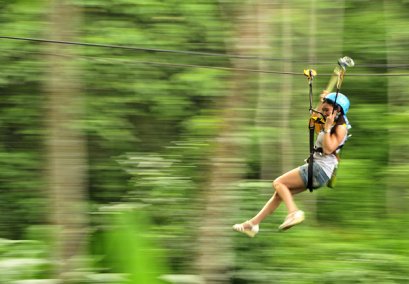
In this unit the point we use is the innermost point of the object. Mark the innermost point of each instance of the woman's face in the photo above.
(327, 109)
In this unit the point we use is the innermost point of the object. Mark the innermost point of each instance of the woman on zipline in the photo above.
(332, 135)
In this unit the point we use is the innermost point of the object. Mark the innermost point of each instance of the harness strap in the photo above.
(321, 150)
(310, 75)
(311, 158)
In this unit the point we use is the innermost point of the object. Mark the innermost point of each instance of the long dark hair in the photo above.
(340, 120)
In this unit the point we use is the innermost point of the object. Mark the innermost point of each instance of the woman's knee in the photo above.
(277, 184)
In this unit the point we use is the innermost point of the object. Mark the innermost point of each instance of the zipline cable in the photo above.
(154, 63)
(187, 52)
(134, 48)
(202, 54)
(196, 53)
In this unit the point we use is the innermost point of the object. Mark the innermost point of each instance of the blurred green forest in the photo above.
(127, 159)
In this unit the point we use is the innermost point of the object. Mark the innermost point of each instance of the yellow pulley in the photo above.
(310, 73)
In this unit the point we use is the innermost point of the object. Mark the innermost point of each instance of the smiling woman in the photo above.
(331, 137)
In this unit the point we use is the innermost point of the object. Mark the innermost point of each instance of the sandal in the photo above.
(251, 232)
(292, 219)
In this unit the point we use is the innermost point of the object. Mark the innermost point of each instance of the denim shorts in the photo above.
(319, 179)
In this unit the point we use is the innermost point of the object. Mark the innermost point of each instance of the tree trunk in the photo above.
(286, 90)
(66, 144)
(214, 246)
(266, 110)
(398, 102)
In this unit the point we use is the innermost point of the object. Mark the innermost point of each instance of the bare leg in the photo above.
(286, 184)
(289, 184)
(268, 209)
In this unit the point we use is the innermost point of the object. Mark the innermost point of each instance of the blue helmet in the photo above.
(340, 100)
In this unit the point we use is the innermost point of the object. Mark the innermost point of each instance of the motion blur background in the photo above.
(130, 165)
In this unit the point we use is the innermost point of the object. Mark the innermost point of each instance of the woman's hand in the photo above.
(329, 121)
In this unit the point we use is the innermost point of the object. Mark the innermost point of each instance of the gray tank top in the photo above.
(327, 162)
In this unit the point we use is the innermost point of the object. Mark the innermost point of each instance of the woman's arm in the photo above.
(332, 141)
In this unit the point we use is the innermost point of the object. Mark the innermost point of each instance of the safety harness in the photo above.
(316, 122)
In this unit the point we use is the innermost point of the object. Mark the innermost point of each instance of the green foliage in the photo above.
(129, 249)
(22, 260)
(322, 255)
